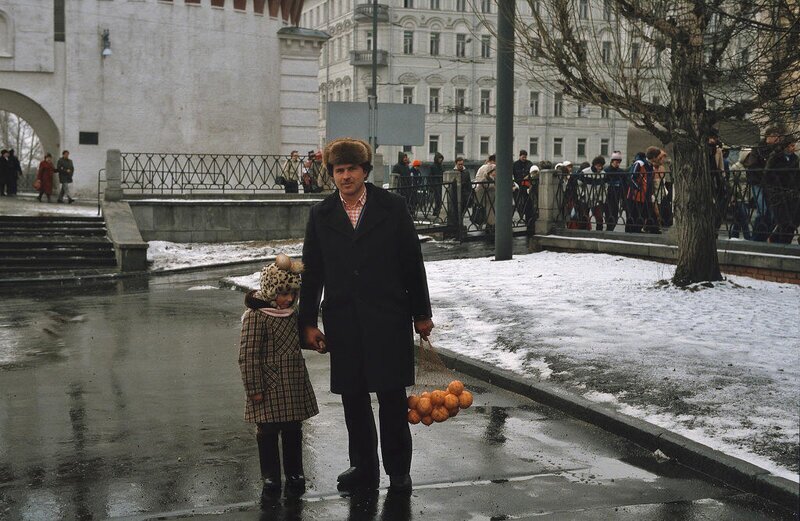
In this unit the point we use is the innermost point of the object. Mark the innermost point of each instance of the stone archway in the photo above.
(36, 116)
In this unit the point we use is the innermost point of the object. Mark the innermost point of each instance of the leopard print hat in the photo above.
(282, 276)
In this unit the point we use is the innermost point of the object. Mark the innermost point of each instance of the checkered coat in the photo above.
(271, 363)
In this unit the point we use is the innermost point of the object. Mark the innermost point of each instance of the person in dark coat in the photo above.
(16, 172)
(781, 182)
(521, 171)
(435, 180)
(5, 173)
(66, 170)
(361, 248)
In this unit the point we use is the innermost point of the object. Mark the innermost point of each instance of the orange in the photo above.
(427, 420)
(455, 387)
(451, 401)
(437, 397)
(440, 413)
(424, 406)
(465, 399)
(413, 417)
(413, 400)
(452, 412)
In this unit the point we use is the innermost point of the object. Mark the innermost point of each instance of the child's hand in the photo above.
(256, 398)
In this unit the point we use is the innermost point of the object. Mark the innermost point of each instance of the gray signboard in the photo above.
(398, 123)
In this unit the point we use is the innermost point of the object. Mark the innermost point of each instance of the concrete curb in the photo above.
(732, 471)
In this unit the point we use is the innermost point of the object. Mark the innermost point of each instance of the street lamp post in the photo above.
(457, 109)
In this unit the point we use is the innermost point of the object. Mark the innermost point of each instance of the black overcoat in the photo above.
(374, 285)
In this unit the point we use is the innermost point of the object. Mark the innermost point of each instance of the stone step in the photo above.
(54, 231)
(23, 241)
(55, 253)
(15, 265)
(26, 220)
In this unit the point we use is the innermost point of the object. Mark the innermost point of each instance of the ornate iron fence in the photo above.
(760, 212)
(432, 203)
(183, 174)
(479, 210)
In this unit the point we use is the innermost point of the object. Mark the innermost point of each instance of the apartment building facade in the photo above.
(442, 54)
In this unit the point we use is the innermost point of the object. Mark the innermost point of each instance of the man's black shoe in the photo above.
(295, 485)
(356, 479)
(400, 484)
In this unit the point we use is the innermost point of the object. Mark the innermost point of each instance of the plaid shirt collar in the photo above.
(354, 211)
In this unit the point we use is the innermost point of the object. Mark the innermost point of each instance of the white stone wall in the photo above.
(181, 78)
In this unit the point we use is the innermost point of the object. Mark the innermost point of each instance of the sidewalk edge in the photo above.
(732, 471)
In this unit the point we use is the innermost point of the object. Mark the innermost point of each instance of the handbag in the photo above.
(478, 216)
(37, 184)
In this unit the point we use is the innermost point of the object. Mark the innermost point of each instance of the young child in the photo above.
(279, 392)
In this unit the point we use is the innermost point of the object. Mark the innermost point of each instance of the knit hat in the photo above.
(616, 155)
(416, 162)
(347, 151)
(282, 276)
(534, 169)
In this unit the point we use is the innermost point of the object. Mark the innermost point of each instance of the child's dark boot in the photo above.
(292, 440)
(270, 461)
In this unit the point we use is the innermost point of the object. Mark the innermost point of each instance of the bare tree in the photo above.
(676, 68)
(16, 133)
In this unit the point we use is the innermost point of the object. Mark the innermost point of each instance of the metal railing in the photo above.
(432, 203)
(186, 174)
(766, 211)
(479, 210)
(99, 191)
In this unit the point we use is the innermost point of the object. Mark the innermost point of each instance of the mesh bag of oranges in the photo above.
(433, 399)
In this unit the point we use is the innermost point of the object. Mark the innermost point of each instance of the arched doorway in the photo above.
(36, 116)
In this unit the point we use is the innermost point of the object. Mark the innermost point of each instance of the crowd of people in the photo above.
(11, 172)
(307, 173)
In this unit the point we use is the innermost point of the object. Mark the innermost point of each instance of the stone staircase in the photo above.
(49, 245)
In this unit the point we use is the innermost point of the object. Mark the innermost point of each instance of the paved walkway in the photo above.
(127, 403)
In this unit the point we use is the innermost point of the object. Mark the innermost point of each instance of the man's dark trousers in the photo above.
(363, 437)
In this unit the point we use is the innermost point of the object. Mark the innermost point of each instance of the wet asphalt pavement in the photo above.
(125, 401)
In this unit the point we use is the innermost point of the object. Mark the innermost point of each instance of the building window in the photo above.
(408, 4)
(745, 57)
(461, 45)
(486, 46)
(604, 147)
(605, 53)
(486, 101)
(347, 94)
(435, 38)
(533, 103)
(369, 40)
(581, 149)
(408, 148)
(59, 20)
(433, 100)
(435, 5)
(657, 100)
(461, 6)
(408, 95)
(604, 112)
(607, 13)
(433, 144)
(558, 104)
(486, 6)
(583, 10)
(558, 146)
(338, 95)
(582, 111)
(533, 146)
(634, 55)
(408, 42)
(461, 98)
(459, 145)
(536, 7)
(484, 145)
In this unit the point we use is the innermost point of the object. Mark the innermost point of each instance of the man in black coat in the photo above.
(362, 249)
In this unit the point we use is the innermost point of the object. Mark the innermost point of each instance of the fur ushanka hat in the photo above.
(282, 276)
(347, 151)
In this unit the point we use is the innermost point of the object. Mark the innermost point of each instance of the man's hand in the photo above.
(257, 398)
(314, 339)
(423, 326)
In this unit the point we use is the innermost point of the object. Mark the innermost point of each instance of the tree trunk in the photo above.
(694, 194)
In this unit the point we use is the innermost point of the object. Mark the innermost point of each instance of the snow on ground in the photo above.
(719, 365)
(171, 255)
